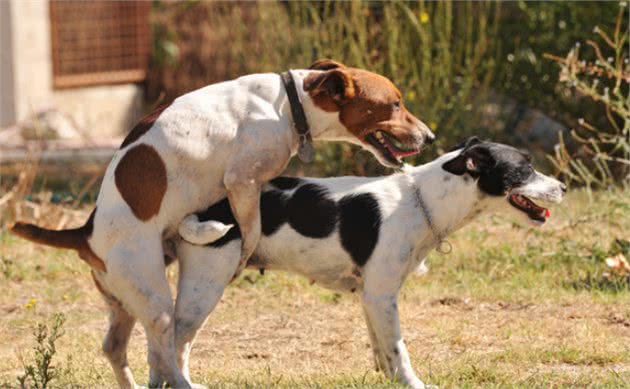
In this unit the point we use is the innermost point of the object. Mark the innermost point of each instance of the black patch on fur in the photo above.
(221, 212)
(473, 140)
(512, 168)
(273, 211)
(311, 212)
(285, 183)
(498, 167)
(359, 225)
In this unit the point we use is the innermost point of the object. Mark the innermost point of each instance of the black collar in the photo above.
(305, 149)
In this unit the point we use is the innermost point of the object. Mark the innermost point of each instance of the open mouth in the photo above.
(533, 211)
(391, 148)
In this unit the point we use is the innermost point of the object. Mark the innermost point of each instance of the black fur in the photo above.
(311, 212)
(221, 212)
(473, 140)
(273, 211)
(359, 225)
(497, 167)
(512, 168)
(285, 183)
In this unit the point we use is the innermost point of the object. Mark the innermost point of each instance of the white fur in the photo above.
(404, 241)
(224, 139)
(196, 232)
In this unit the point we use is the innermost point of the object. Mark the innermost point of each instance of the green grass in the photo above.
(511, 306)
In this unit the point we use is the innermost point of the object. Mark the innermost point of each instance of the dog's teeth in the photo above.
(379, 136)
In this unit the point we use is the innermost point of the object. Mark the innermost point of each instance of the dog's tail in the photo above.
(75, 239)
(64, 239)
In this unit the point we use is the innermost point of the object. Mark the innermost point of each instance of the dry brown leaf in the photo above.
(618, 263)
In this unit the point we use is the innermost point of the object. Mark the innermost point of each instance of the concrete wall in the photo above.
(26, 77)
(103, 111)
(7, 102)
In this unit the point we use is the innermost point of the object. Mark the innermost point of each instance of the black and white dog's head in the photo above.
(503, 172)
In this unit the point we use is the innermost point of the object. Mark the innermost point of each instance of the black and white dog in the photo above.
(358, 234)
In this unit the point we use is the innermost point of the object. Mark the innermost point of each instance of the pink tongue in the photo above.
(398, 153)
(547, 213)
(406, 153)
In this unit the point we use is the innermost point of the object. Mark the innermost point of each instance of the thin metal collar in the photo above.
(443, 245)
(305, 148)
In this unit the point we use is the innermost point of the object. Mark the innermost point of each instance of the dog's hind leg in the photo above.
(203, 275)
(115, 344)
(243, 179)
(136, 274)
(245, 203)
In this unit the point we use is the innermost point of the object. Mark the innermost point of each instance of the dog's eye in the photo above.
(396, 105)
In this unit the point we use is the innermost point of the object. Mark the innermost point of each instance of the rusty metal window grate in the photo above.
(99, 42)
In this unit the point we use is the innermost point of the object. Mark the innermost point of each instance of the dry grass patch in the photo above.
(510, 307)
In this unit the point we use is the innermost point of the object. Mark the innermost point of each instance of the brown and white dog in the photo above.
(226, 139)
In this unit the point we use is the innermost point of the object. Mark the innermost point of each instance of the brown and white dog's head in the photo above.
(370, 109)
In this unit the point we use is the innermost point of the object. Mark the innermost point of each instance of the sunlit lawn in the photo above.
(510, 306)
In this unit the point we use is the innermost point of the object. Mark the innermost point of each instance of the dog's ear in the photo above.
(473, 140)
(336, 84)
(326, 64)
(472, 160)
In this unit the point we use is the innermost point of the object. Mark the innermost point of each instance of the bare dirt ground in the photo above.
(511, 306)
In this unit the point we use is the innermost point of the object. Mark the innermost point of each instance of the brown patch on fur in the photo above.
(330, 88)
(99, 286)
(143, 125)
(75, 239)
(141, 180)
(326, 64)
(111, 300)
(85, 251)
(374, 103)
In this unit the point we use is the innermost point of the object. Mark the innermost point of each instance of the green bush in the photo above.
(446, 57)
(41, 372)
(603, 156)
(441, 55)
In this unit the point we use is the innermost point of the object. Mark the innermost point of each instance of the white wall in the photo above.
(31, 59)
(26, 77)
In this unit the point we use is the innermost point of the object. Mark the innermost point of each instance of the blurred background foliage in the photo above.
(465, 68)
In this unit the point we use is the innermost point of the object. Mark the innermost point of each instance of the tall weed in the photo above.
(440, 54)
(601, 157)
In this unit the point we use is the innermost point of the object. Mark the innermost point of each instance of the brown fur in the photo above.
(330, 89)
(141, 180)
(367, 101)
(75, 239)
(326, 64)
(143, 126)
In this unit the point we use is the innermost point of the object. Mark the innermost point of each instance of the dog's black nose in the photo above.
(429, 138)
